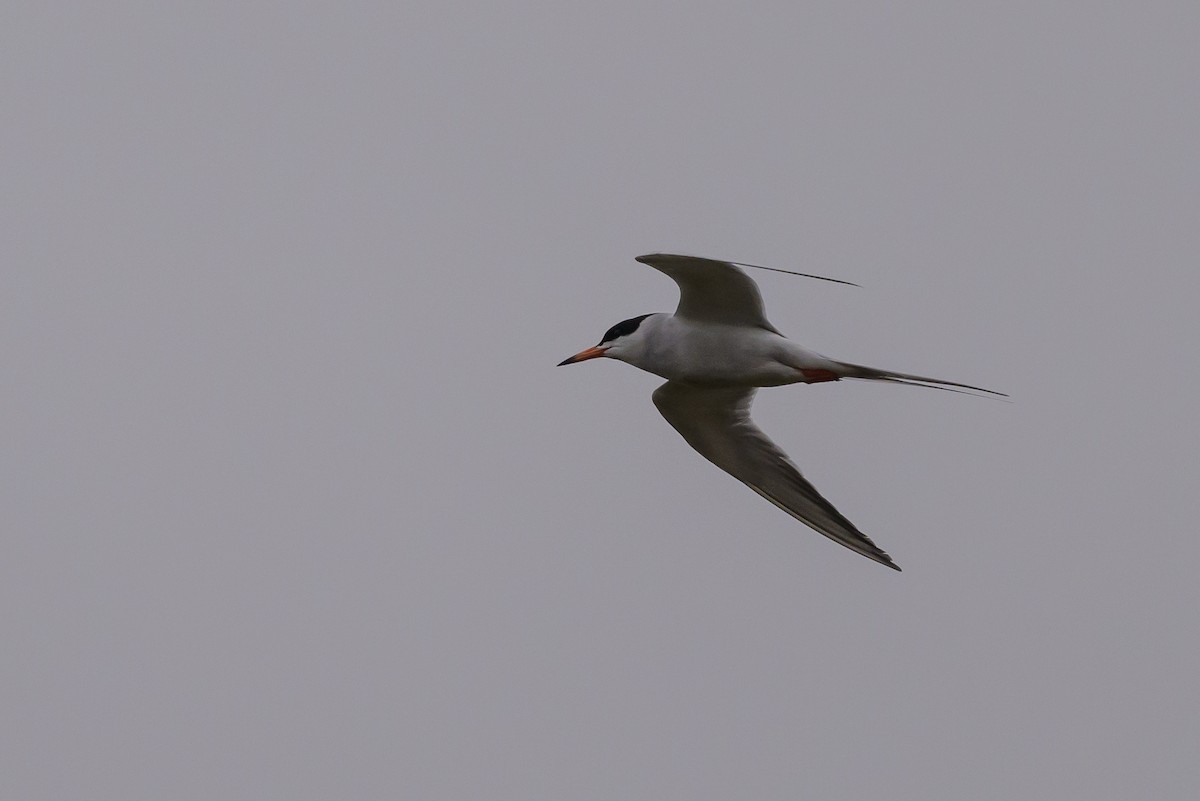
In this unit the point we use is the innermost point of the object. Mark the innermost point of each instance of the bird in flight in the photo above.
(715, 351)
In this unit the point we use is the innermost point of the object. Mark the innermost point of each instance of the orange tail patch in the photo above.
(817, 375)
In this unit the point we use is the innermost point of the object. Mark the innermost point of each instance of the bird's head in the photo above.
(623, 341)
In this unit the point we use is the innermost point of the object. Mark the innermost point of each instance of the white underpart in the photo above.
(719, 354)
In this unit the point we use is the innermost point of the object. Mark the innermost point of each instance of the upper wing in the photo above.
(716, 422)
(712, 291)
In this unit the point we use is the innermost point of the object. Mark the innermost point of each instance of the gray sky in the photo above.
(298, 507)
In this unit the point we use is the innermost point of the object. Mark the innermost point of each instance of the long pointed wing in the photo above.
(716, 422)
(712, 291)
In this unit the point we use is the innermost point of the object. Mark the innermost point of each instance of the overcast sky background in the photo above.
(297, 506)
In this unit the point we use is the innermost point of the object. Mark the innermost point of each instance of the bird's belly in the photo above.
(716, 376)
(720, 362)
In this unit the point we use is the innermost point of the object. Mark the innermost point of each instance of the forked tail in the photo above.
(871, 374)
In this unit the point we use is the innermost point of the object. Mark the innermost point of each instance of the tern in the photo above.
(715, 351)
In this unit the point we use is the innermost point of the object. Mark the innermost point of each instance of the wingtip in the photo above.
(651, 258)
(657, 259)
(882, 558)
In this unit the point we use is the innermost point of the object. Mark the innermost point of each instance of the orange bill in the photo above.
(584, 355)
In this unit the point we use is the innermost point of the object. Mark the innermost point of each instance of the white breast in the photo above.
(724, 355)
